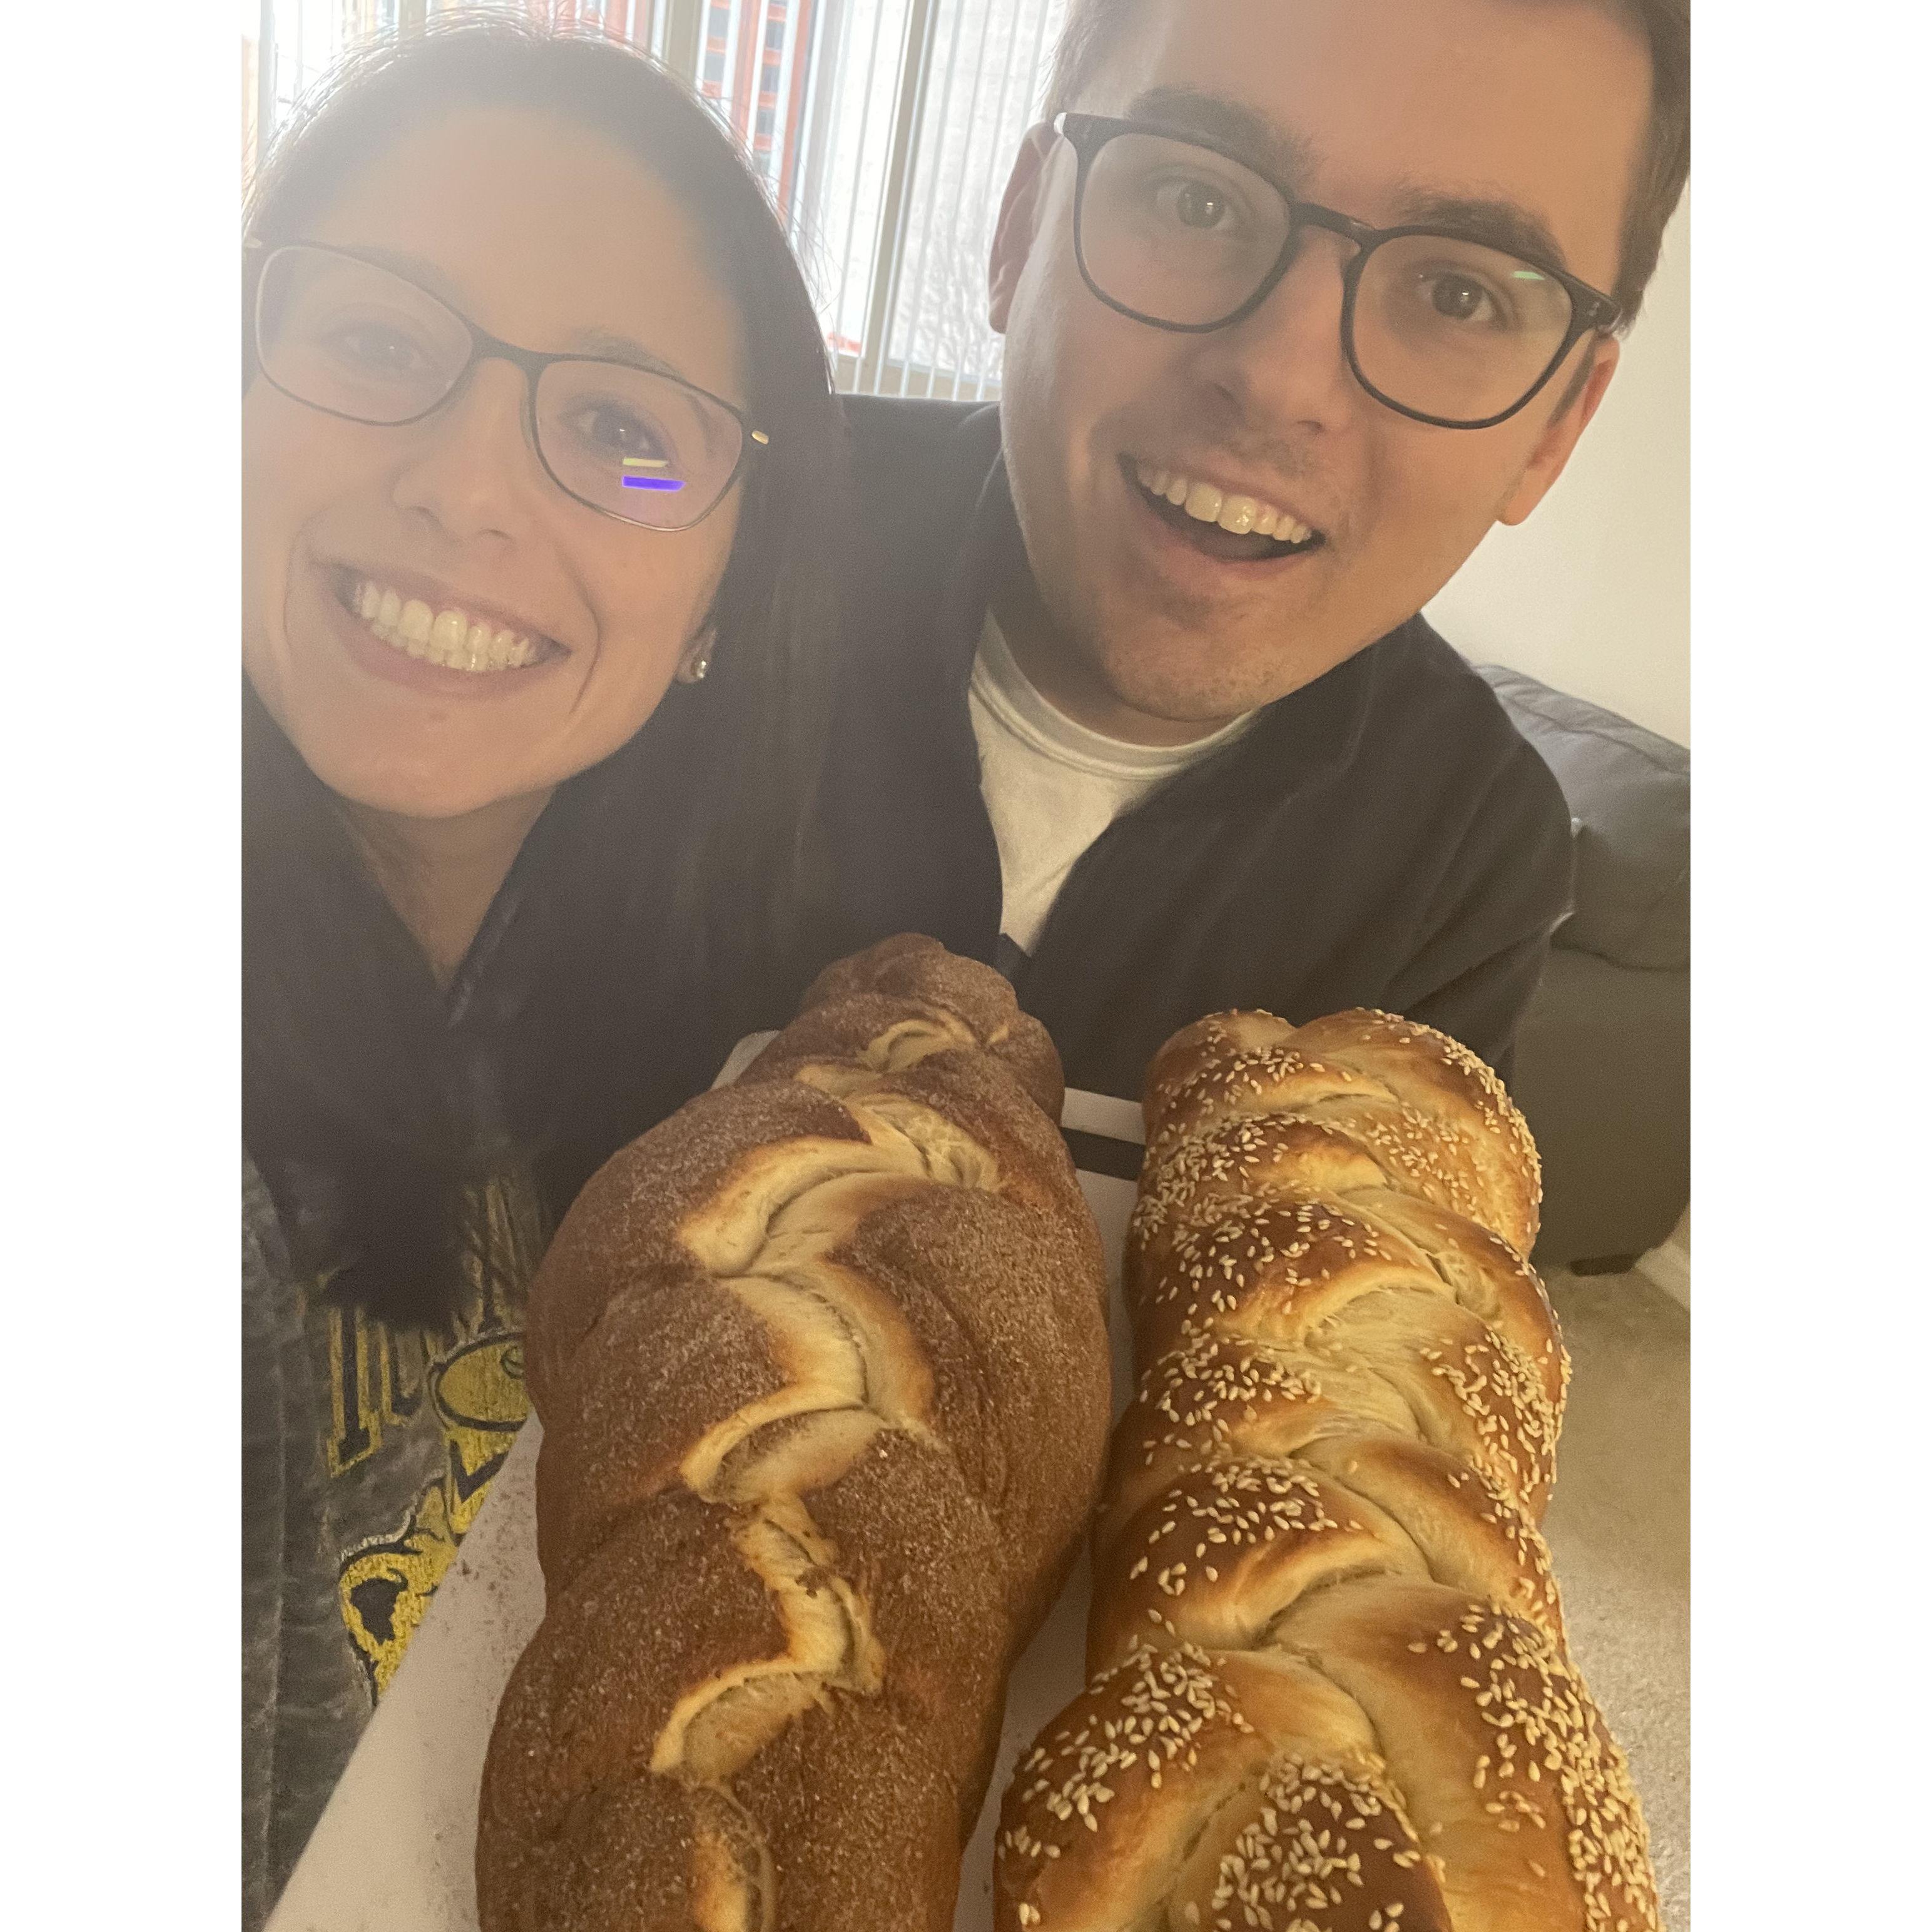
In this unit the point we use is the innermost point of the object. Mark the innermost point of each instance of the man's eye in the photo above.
(1461, 298)
(1199, 205)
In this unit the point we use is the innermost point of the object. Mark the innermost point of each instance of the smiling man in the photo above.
(1299, 297)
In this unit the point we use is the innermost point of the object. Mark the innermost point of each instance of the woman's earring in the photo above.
(694, 668)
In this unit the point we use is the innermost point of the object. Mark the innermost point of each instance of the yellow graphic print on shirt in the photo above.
(385, 1584)
(471, 1374)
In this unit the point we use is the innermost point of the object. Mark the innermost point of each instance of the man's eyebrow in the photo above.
(1271, 149)
(1506, 225)
(1501, 223)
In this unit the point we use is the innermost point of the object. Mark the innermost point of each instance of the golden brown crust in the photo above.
(1233, 1792)
(1037, 1404)
(822, 1371)
(1317, 1560)
(1328, 1285)
(622, 1861)
(1222, 1552)
(1277, 1267)
(1274, 1078)
(1472, 1391)
(988, 1109)
(705, 1355)
(1506, 1763)
(1471, 1535)
(1439, 1079)
(1488, 1277)
(623, 1226)
(861, 1812)
(1196, 1048)
(885, 1008)
(1229, 1548)
(1107, 1802)
(1423, 1107)
(579, 1707)
(1217, 1397)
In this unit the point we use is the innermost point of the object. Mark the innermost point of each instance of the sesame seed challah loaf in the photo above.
(822, 1367)
(1330, 1690)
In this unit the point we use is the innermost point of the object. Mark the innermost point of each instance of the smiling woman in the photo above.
(536, 422)
(541, 475)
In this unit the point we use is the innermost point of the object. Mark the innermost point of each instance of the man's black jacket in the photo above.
(1383, 837)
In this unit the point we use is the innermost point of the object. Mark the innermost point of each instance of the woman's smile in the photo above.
(440, 624)
(452, 637)
(406, 631)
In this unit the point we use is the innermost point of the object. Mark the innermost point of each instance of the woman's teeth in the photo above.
(1240, 516)
(450, 638)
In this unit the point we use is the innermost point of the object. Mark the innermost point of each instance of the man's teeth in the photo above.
(450, 638)
(1240, 515)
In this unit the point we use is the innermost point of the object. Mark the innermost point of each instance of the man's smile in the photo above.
(1228, 524)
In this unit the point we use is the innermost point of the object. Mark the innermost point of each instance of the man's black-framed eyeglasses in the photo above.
(1174, 229)
(355, 339)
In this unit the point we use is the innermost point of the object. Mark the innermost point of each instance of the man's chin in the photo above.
(1170, 711)
(1185, 675)
(1175, 683)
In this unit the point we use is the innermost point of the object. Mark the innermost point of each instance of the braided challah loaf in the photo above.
(1329, 1688)
(822, 1367)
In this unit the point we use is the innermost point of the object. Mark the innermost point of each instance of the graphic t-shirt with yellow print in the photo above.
(367, 1451)
(418, 1422)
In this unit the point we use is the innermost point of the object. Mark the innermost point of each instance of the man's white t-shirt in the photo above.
(1052, 787)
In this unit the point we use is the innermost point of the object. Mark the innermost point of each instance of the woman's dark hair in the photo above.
(653, 885)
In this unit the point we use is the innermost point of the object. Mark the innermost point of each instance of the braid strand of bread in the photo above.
(822, 1368)
(1329, 1688)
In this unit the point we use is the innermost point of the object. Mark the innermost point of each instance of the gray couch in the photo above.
(1602, 1070)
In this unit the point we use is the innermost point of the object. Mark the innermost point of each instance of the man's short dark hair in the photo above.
(1092, 27)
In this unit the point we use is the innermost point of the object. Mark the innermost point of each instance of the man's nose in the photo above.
(1284, 365)
(472, 470)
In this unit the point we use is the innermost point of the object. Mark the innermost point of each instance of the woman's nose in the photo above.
(472, 468)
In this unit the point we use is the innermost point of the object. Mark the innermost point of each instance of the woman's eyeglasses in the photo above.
(1176, 231)
(356, 339)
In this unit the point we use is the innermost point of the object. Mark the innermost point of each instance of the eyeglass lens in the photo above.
(347, 336)
(1443, 326)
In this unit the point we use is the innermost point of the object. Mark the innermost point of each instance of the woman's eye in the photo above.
(377, 349)
(615, 432)
(618, 430)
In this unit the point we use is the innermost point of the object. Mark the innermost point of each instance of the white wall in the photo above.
(1593, 593)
